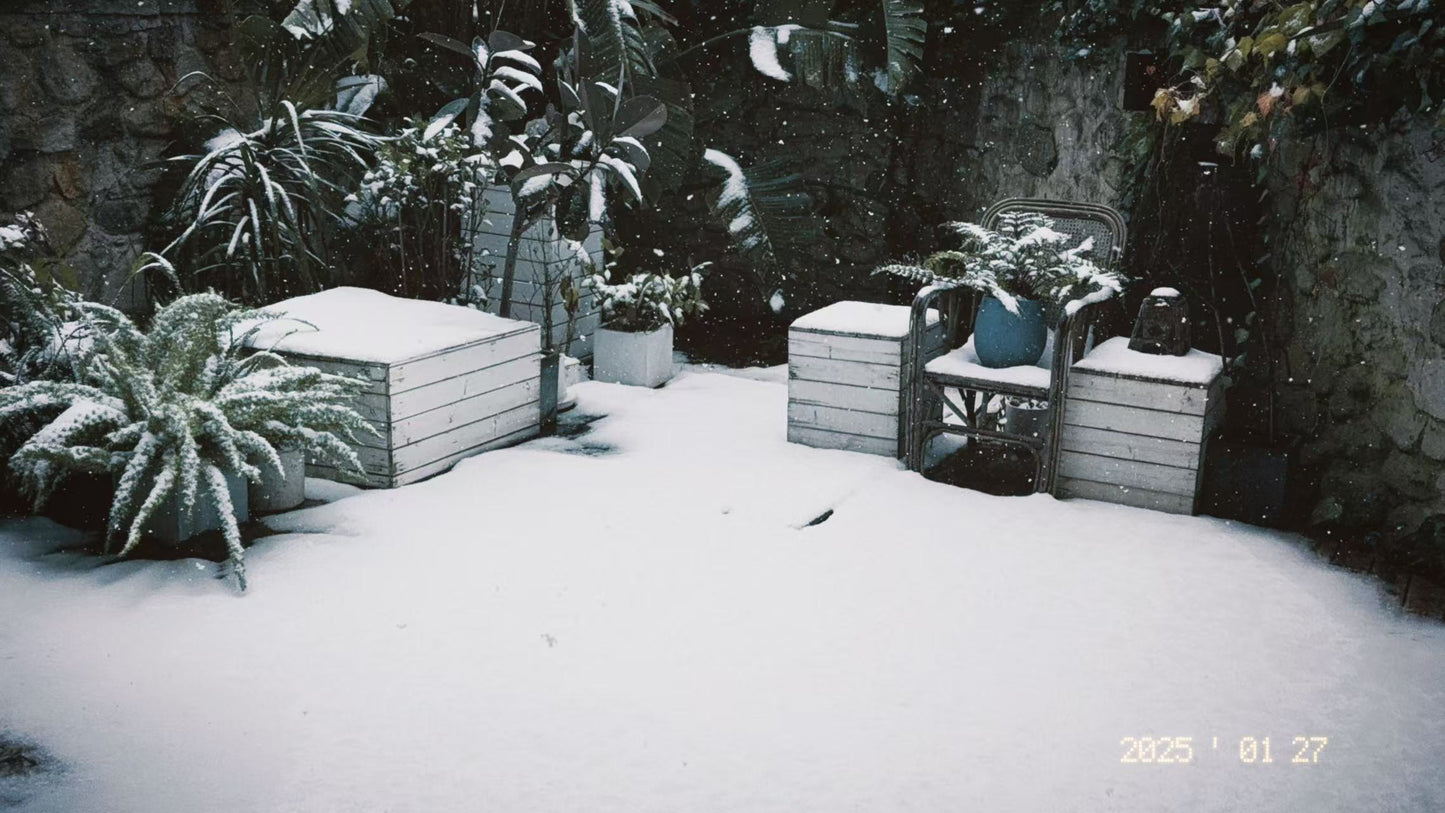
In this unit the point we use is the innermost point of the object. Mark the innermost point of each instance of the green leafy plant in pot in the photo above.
(1027, 274)
(179, 416)
(634, 345)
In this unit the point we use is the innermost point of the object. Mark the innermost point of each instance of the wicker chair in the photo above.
(959, 368)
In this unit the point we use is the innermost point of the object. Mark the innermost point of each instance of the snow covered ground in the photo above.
(640, 618)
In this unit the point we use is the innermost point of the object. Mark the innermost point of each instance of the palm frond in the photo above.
(765, 211)
(905, 30)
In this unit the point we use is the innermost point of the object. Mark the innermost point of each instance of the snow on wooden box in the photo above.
(544, 259)
(846, 376)
(1135, 426)
(444, 382)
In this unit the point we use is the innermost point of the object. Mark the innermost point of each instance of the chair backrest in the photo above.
(1081, 220)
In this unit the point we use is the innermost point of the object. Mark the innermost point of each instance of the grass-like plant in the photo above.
(173, 410)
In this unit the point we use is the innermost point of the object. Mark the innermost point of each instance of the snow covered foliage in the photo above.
(1026, 258)
(416, 210)
(504, 75)
(645, 302)
(255, 209)
(828, 54)
(36, 311)
(764, 210)
(171, 411)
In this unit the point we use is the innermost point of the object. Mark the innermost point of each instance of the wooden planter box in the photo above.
(543, 260)
(1135, 426)
(847, 381)
(444, 382)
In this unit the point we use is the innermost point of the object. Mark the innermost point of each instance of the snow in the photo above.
(364, 325)
(1115, 358)
(763, 49)
(862, 319)
(735, 187)
(963, 363)
(640, 618)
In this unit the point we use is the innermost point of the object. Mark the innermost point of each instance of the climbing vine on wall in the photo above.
(1266, 70)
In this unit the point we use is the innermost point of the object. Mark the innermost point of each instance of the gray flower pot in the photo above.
(281, 492)
(172, 526)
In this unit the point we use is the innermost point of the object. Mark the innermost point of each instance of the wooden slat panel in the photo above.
(375, 374)
(859, 374)
(1097, 415)
(824, 439)
(430, 369)
(1168, 479)
(462, 438)
(439, 466)
(844, 348)
(836, 419)
(868, 399)
(1133, 392)
(1106, 443)
(467, 385)
(464, 412)
(1137, 497)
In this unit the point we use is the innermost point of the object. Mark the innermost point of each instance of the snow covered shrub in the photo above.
(257, 208)
(1025, 259)
(171, 411)
(35, 310)
(416, 211)
(646, 302)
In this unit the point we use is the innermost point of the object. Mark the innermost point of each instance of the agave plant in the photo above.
(173, 411)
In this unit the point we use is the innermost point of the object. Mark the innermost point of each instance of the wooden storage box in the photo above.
(1135, 426)
(445, 382)
(543, 261)
(847, 378)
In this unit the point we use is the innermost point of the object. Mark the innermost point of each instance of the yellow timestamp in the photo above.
(1302, 750)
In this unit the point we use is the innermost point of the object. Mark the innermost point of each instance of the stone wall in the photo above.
(1359, 233)
(85, 110)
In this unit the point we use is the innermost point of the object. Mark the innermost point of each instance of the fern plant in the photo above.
(1026, 258)
(174, 410)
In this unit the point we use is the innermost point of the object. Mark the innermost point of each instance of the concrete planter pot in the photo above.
(636, 359)
(281, 492)
(172, 526)
(569, 374)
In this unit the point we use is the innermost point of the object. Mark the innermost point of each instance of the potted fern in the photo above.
(1026, 273)
(634, 345)
(180, 416)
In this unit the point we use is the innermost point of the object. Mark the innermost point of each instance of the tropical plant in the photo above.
(257, 208)
(645, 302)
(171, 412)
(36, 310)
(1026, 258)
(259, 199)
(417, 210)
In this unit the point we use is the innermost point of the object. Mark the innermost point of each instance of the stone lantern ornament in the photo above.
(1163, 325)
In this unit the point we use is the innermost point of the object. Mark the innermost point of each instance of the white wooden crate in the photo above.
(445, 382)
(1135, 426)
(543, 261)
(846, 374)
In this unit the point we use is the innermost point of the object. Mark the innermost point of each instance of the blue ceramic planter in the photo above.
(1003, 339)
